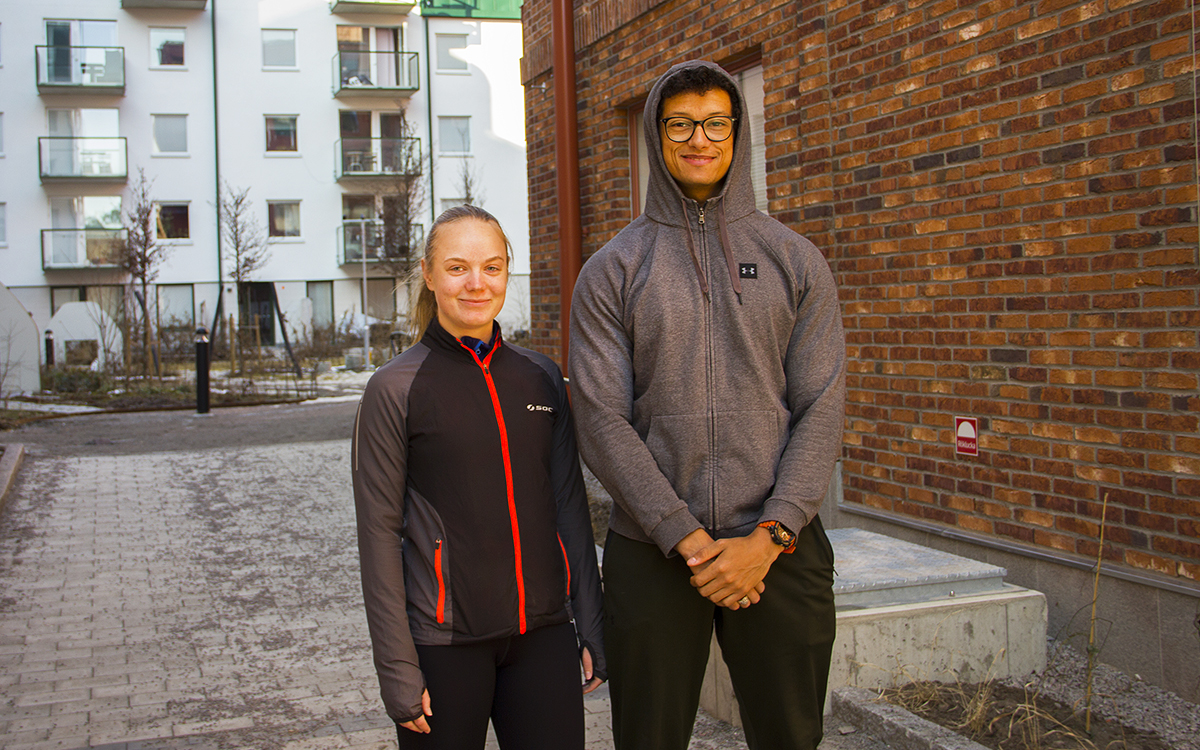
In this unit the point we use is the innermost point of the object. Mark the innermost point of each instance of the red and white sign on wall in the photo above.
(966, 436)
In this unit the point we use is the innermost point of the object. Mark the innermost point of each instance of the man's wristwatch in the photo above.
(780, 534)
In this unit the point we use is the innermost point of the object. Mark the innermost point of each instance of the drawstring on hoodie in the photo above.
(726, 247)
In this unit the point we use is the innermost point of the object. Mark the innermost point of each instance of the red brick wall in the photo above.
(1006, 192)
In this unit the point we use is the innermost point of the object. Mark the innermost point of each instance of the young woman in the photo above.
(478, 568)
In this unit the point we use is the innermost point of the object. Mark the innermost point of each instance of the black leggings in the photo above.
(529, 685)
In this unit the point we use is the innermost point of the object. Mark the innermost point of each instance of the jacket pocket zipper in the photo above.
(567, 563)
(437, 567)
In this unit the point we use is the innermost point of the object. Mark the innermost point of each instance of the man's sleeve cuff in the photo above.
(785, 513)
(672, 529)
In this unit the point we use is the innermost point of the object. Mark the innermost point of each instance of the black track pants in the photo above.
(657, 634)
(529, 685)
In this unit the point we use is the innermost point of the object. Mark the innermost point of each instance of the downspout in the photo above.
(566, 158)
(218, 314)
(429, 117)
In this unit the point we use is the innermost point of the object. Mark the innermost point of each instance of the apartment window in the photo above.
(449, 203)
(321, 295)
(283, 218)
(61, 295)
(176, 305)
(173, 221)
(166, 47)
(454, 135)
(281, 133)
(279, 48)
(447, 46)
(170, 134)
(3, 223)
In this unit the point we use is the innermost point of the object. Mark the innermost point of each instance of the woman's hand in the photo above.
(419, 724)
(591, 682)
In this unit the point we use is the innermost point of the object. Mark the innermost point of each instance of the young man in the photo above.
(708, 371)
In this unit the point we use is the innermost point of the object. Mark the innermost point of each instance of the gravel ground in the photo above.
(1119, 696)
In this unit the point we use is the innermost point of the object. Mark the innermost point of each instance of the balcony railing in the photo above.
(81, 248)
(166, 4)
(92, 69)
(377, 157)
(375, 74)
(92, 159)
(379, 242)
(390, 7)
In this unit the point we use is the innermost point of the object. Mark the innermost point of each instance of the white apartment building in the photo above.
(309, 104)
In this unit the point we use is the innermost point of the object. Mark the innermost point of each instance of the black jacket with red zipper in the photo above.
(473, 520)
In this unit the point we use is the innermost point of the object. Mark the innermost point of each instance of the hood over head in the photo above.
(664, 199)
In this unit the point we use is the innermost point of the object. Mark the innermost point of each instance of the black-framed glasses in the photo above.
(716, 129)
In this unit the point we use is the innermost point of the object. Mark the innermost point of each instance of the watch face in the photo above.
(782, 536)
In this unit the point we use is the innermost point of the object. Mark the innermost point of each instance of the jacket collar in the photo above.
(439, 338)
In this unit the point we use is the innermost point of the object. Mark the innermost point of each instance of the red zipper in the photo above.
(437, 567)
(484, 364)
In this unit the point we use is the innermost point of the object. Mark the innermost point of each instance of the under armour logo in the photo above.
(747, 270)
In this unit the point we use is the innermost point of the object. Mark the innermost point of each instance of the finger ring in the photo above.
(744, 601)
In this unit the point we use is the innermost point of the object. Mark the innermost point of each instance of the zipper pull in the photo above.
(701, 209)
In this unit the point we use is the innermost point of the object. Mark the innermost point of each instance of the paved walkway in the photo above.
(197, 597)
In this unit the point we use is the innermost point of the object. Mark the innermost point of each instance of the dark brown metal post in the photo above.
(566, 158)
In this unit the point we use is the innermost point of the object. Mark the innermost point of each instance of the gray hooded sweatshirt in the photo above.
(707, 361)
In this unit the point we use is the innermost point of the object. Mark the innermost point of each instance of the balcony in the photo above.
(472, 8)
(64, 249)
(376, 158)
(380, 243)
(381, 7)
(86, 159)
(165, 4)
(98, 70)
(375, 74)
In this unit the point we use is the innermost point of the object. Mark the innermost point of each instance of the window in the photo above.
(166, 47)
(283, 218)
(279, 48)
(170, 134)
(454, 135)
(381, 299)
(750, 82)
(3, 224)
(449, 203)
(61, 295)
(176, 306)
(281, 133)
(447, 45)
(321, 295)
(173, 221)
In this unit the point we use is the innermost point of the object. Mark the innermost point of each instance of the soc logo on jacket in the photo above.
(539, 407)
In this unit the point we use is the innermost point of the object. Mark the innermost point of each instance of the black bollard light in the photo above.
(49, 348)
(202, 370)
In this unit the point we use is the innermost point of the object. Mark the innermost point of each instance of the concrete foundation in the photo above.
(908, 613)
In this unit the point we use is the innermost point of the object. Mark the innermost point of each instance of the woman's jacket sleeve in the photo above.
(379, 461)
(575, 532)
